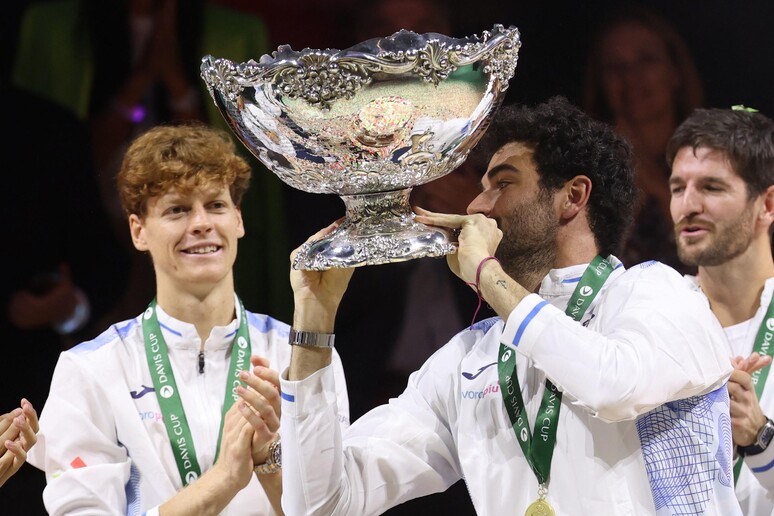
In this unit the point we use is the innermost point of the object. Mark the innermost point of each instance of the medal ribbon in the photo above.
(540, 450)
(763, 346)
(168, 396)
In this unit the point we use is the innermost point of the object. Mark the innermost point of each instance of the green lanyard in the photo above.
(763, 346)
(539, 451)
(178, 430)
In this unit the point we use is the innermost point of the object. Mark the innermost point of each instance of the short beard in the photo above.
(527, 250)
(731, 241)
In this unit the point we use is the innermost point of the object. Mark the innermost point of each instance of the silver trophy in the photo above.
(368, 123)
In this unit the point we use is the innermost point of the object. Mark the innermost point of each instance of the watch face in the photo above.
(767, 433)
(277, 453)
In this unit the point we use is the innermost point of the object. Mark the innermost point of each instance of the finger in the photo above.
(6, 421)
(18, 450)
(761, 362)
(31, 414)
(27, 435)
(257, 360)
(446, 220)
(257, 423)
(11, 432)
(741, 378)
(317, 236)
(263, 398)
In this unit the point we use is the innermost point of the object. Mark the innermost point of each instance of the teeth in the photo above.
(203, 250)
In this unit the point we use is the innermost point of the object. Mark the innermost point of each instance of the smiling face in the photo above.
(191, 236)
(523, 210)
(713, 216)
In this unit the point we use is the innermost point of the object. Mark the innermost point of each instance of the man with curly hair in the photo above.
(597, 390)
(162, 413)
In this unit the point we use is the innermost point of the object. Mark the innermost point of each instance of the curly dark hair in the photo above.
(745, 138)
(566, 143)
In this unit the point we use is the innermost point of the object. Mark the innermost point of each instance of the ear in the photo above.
(574, 196)
(137, 230)
(766, 213)
(240, 223)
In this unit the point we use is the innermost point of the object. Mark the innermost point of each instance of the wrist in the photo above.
(313, 318)
(273, 461)
(762, 440)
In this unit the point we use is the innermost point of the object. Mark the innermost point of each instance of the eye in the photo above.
(175, 210)
(502, 184)
(676, 189)
(218, 205)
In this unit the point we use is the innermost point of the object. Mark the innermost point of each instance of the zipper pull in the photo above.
(201, 362)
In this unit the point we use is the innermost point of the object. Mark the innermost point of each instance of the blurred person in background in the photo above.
(641, 78)
(125, 66)
(66, 268)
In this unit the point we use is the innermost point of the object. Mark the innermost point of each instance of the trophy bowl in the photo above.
(367, 123)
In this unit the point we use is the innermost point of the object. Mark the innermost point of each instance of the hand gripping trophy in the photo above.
(368, 123)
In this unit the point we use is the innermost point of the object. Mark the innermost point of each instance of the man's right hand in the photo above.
(317, 294)
(747, 418)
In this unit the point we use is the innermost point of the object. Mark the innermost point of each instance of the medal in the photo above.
(539, 508)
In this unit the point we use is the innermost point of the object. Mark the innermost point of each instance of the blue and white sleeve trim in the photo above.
(526, 322)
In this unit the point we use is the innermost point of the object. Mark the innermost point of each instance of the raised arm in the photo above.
(317, 295)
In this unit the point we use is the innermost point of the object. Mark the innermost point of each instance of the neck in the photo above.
(734, 287)
(575, 246)
(205, 310)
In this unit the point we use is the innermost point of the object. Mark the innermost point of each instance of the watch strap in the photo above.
(310, 339)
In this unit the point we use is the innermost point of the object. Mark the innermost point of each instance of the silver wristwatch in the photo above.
(310, 339)
(762, 441)
(273, 460)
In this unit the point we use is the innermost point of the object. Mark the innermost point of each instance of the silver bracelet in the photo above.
(310, 339)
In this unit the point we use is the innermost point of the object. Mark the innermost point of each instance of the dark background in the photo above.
(732, 42)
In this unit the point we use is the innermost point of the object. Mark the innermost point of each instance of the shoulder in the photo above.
(468, 342)
(651, 275)
(267, 325)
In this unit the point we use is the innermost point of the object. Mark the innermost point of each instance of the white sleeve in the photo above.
(342, 394)
(762, 467)
(391, 454)
(653, 341)
(86, 469)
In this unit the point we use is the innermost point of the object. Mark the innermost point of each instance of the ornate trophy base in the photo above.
(379, 228)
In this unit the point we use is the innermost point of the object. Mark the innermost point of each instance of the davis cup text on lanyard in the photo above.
(178, 430)
(540, 450)
(762, 346)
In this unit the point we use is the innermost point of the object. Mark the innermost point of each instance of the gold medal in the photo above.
(539, 508)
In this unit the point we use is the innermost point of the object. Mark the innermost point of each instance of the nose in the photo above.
(688, 204)
(480, 204)
(200, 219)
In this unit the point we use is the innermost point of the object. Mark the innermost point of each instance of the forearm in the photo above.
(499, 290)
(208, 495)
(272, 485)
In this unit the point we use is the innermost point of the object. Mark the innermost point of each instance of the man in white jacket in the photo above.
(597, 390)
(722, 205)
(163, 413)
